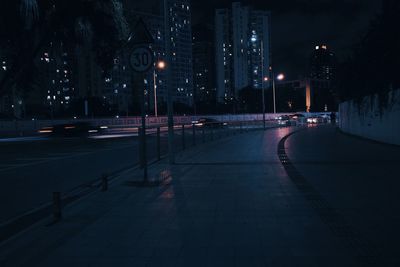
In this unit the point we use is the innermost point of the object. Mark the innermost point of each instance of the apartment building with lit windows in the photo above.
(242, 49)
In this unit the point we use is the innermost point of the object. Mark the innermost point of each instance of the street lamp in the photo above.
(279, 77)
(170, 107)
(160, 65)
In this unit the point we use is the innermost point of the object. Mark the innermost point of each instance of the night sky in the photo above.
(299, 25)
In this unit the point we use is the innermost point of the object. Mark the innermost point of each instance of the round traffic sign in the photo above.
(141, 59)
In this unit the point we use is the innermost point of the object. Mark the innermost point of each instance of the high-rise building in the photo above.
(117, 93)
(57, 81)
(89, 79)
(242, 48)
(322, 63)
(56, 88)
(203, 66)
(6, 101)
(177, 15)
(321, 79)
(180, 44)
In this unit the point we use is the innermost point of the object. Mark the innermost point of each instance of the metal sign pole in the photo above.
(142, 59)
(143, 129)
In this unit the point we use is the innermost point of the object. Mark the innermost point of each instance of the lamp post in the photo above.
(262, 82)
(160, 65)
(280, 77)
(170, 107)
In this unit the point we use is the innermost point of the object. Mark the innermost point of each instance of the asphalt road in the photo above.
(31, 169)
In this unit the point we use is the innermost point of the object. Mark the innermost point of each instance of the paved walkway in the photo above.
(227, 203)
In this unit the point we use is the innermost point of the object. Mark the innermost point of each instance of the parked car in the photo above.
(79, 129)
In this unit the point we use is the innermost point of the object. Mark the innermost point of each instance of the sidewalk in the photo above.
(227, 203)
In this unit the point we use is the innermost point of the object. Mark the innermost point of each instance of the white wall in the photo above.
(368, 122)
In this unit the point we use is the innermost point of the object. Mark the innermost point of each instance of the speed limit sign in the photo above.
(141, 59)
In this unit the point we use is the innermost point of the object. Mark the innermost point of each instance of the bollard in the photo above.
(183, 137)
(141, 154)
(203, 135)
(57, 215)
(158, 144)
(104, 183)
(212, 133)
(194, 134)
(241, 127)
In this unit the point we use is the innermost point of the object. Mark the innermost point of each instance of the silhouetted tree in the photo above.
(374, 65)
(27, 26)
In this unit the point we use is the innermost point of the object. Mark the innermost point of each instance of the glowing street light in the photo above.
(161, 65)
(280, 77)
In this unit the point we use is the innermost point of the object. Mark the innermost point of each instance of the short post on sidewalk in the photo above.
(158, 143)
(183, 137)
(194, 134)
(57, 214)
(104, 183)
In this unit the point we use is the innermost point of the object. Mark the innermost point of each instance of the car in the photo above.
(315, 120)
(78, 129)
(298, 118)
(209, 122)
(284, 120)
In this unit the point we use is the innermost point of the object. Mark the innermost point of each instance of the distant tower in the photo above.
(203, 65)
(320, 93)
(242, 35)
(180, 26)
(322, 64)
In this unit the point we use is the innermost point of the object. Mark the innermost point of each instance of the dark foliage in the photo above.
(27, 26)
(374, 66)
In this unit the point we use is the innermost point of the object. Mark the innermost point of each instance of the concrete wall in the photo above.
(368, 122)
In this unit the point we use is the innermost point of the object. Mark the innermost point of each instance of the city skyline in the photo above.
(252, 38)
(199, 133)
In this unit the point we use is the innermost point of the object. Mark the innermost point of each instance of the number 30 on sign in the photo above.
(142, 59)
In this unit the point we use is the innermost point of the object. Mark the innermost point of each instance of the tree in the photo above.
(27, 26)
(373, 67)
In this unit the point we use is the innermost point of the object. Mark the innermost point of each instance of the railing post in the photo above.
(57, 214)
(194, 134)
(158, 143)
(183, 137)
(104, 183)
(141, 155)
